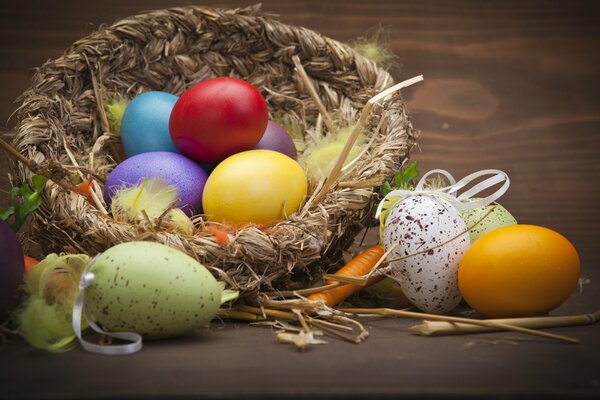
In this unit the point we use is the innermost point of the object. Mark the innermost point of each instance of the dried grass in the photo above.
(171, 50)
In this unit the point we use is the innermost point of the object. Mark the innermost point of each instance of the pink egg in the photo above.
(277, 139)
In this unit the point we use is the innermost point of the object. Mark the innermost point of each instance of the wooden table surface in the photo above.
(512, 85)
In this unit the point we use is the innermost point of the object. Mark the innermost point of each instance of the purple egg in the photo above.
(12, 268)
(175, 169)
(277, 139)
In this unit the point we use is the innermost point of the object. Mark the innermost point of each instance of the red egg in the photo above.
(217, 118)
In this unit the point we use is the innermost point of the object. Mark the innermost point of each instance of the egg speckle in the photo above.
(430, 238)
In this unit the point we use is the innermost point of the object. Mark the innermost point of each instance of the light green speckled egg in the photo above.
(151, 289)
(497, 218)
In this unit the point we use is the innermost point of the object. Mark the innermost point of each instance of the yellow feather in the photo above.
(153, 196)
(375, 46)
(180, 222)
(52, 287)
(45, 326)
(114, 114)
(319, 159)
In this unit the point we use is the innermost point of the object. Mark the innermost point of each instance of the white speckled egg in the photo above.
(488, 220)
(419, 224)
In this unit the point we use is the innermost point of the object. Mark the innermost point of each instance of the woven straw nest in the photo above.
(61, 124)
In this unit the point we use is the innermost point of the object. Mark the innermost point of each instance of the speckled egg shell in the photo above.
(151, 289)
(417, 225)
(494, 219)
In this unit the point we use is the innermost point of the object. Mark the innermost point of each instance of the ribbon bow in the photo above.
(87, 278)
(449, 192)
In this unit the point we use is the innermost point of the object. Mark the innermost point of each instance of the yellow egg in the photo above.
(254, 186)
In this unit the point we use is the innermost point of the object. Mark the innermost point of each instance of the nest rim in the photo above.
(291, 252)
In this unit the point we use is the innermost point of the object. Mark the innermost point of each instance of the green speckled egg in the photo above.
(497, 218)
(151, 289)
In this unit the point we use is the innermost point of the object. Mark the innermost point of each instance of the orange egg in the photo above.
(518, 271)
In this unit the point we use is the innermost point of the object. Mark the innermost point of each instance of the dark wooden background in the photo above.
(512, 85)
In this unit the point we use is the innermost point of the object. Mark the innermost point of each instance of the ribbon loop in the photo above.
(463, 201)
(421, 185)
(497, 177)
(86, 280)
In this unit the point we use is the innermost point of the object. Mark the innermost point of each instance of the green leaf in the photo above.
(411, 172)
(30, 204)
(39, 182)
(13, 196)
(6, 214)
(24, 200)
(386, 188)
(26, 191)
(403, 178)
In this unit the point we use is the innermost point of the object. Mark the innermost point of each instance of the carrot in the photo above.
(358, 266)
(85, 189)
(221, 234)
(30, 262)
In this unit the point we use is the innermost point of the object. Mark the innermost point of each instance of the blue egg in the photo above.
(145, 124)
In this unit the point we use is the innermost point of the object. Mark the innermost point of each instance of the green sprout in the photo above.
(22, 201)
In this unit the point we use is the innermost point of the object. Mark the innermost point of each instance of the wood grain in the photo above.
(511, 85)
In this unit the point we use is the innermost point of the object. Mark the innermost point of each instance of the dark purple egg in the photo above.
(12, 268)
(277, 139)
(208, 167)
(175, 169)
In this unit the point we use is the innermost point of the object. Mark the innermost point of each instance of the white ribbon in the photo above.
(87, 278)
(449, 192)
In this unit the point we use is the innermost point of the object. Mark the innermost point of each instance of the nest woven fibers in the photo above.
(63, 129)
